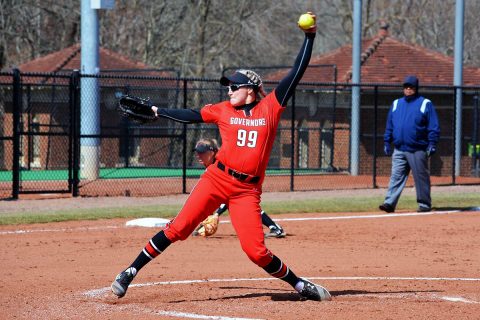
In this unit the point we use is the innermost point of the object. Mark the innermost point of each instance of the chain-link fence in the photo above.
(60, 133)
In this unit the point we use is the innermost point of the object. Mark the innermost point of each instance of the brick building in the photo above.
(46, 114)
(323, 115)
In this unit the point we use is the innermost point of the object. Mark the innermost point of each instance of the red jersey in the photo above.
(246, 140)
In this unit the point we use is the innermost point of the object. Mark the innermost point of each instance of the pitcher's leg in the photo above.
(203, 200)
(246, 219)
(247, 222)
(198, 205)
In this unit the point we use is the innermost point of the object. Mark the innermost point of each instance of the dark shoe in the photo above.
(424, 209)
(312, 291)
(122, 281)
(387, 208)
(275, 233)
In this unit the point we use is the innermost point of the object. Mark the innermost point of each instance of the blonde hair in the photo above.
(255, 78)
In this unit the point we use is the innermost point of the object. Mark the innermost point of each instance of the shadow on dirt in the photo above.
(457, 208)
(364, 292)
(293, 296)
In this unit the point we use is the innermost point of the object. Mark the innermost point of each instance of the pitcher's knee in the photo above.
(261, 257)
(174, 235)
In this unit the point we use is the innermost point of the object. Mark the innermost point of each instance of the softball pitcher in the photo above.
(247, 124)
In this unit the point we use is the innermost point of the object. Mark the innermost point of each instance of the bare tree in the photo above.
(31, 28)
(202, 37)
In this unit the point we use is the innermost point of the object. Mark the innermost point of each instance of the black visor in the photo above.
(202, 148)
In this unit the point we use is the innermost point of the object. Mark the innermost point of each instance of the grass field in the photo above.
(342, 202)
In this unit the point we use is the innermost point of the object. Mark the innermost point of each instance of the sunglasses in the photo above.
(202, 148)
(235, 87)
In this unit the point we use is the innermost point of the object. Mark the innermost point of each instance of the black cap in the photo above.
(236, 78)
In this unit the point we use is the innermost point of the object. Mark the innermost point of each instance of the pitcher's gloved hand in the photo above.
(136, 108)
(431, 149)
(387, 149)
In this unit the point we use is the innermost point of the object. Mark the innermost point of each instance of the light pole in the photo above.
(89, 89)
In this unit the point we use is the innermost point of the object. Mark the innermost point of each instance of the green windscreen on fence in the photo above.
(125, 173)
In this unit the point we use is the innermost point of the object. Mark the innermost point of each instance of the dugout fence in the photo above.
(42, 140)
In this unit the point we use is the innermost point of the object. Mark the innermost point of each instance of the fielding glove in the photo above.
(209, 226)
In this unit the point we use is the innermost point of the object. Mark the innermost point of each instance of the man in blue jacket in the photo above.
(412, 127)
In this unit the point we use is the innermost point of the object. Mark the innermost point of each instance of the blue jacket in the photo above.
(412, 124)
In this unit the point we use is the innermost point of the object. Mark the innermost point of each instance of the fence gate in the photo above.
(43, 117)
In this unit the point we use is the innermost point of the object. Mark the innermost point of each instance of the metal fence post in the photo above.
(292, 146)
(475, 155)
(184, 137)
(375, 132)
(74, 153)
(17, 107)
(334, 122)
(454, 129)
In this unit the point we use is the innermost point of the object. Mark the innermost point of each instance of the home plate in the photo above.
(148, 222)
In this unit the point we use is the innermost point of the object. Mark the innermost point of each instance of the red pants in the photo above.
(243, 199)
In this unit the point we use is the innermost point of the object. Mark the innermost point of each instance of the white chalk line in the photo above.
(178, 314)
(389, 215)
(175, 314)
(98, 292)
(23, 231)
(371, 216)
(416, 296)
(95, 293)
(376, 216)
(459, 299)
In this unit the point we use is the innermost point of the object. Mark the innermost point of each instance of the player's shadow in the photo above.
(457, 208)
(363, 292)
(287, 296)
(293, 296)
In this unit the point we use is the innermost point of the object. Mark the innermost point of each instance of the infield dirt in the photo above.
(376, 266)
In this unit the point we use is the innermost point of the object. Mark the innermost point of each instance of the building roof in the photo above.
(387, 60)
(68, 59)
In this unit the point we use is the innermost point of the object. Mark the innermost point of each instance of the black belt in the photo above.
(238, 175)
